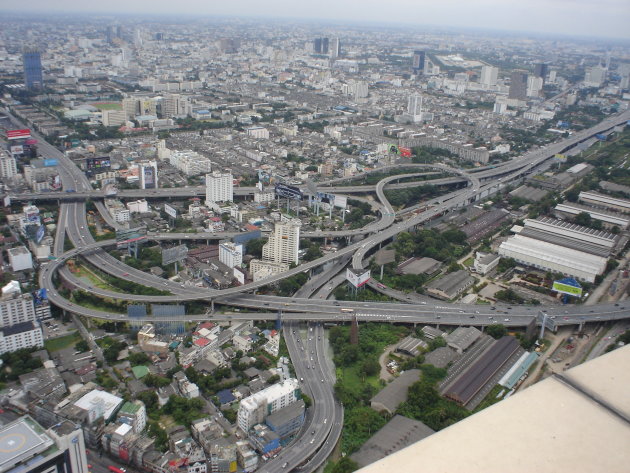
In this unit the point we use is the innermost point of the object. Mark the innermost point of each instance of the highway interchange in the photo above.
(325, 418)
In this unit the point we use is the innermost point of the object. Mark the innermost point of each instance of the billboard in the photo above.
(18, 149)
(404, 152)
(39, 236)
(341, 201)
(171, 255)
(393, 149)
(18, 134)
(357, 278)
(239, 276)
(289, 192)
(170, 211)
(562, 158)
(40, 296)
(149, 177)
(567, 286)
(50, 162)
(131, 235)
(98, 164)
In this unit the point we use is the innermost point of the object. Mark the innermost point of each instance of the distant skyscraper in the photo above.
(417, 63)
(32, 69)
(317, 45)
(335, 48)
(414, 105)
(489, 75)
(518, 86)
(325, 45)
(541, 70)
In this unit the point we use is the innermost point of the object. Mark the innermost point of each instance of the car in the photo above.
(506, 320)
(322, 380)
(565, 318)
(89, 466)
(125, 274)
(312, 432)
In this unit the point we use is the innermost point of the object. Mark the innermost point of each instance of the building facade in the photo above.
(219, 187)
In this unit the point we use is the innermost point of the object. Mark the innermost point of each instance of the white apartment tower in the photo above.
(231, 254)
(219, 187)
(489, 75)
(284, 243)
(255, 408)
(8, 166)
(414, 106)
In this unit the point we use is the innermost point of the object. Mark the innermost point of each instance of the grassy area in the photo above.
(354, 381)
(82, 271)
(59, 343)
(469, 262)
(108, 106)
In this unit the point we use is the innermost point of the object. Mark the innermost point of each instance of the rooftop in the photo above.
(21, 440)
(395, 392)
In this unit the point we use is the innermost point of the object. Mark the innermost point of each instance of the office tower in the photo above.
(541, 70)
(417, 63)
(255, 408)
(518, 86)
(231, 254)
(284, 243)
(361, 90)
(317, 45)
(489, 76)
(219, 187)
(608, 59)
(28, 448)
(174, 105)
(335, 48)
(325, 45)
(148, 175)
(32, 69)
(414, 105)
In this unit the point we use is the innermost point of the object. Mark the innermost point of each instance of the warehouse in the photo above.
(551, 257)
(467, 384)
(607, 218)
(571, 230)
(450, 285)
(605, 201)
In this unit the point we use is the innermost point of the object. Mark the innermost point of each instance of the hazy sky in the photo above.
(606, 18)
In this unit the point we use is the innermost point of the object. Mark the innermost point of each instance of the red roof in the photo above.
(251, 227)
(201, 342)
(207, 325)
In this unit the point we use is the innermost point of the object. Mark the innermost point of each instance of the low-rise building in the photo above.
(451, 285)
(391, 396)
(485, 262)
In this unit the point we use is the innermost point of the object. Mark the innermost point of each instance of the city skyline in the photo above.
(534, 17)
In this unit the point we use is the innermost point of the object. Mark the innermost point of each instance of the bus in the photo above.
(347, 311)
(115, 469)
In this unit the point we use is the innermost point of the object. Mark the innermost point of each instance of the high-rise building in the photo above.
(219, 187)
(174, 106)
(541, 70)
(325, 45)
(335, 48)
(317, 45)
(489, 76)
(417, 63)
(534, 86)
(283, 243)
(231, 254)
(518, 86)
(28, 448)
(148, 175)
(32, 60)
(414, 105)
(16, 309)
(8, 166)
(255, 408)
(594, 76)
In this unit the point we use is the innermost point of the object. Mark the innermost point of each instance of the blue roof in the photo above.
(225, 396)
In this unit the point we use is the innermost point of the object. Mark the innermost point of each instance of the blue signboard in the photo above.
(39, 296)
(39, 236)
(50, 162)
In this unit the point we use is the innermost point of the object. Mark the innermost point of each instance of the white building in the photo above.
(121, 215)
(255, 408)
(594, 76)
(190, 163)
(16, 308)
(20, 258)
(485, 262)
(231, 254)
(139, 206)
(258, 132)
(534, 86)
(148, 171)
(8, 166)
(219, 187)
(264, 196)
(283, 243)
(175, 106)
(114, 117)
(489, 76)
(21, 335)
(264, 269)
(550, 257)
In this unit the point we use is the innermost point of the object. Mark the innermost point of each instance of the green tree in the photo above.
(81, 346)
(345, 465)
(496, 330)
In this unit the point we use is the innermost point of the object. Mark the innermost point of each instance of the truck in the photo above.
(115, 469)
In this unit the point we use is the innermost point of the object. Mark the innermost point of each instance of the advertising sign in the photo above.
(18, 149)
(171, 255)
(149, 177)
(562, 158)
(404, 152)
(393, 149)
(39, 236)
(567, 286)
(341, 201)
(40, 296)
(18, 134)
(100, 164)
(239, 276)
(601, 137)
(357, 278)
(126, 236)
(170, 211)
(289, 192)
(50, 162)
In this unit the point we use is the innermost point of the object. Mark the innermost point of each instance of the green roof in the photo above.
(140, 371)
(129, 408)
